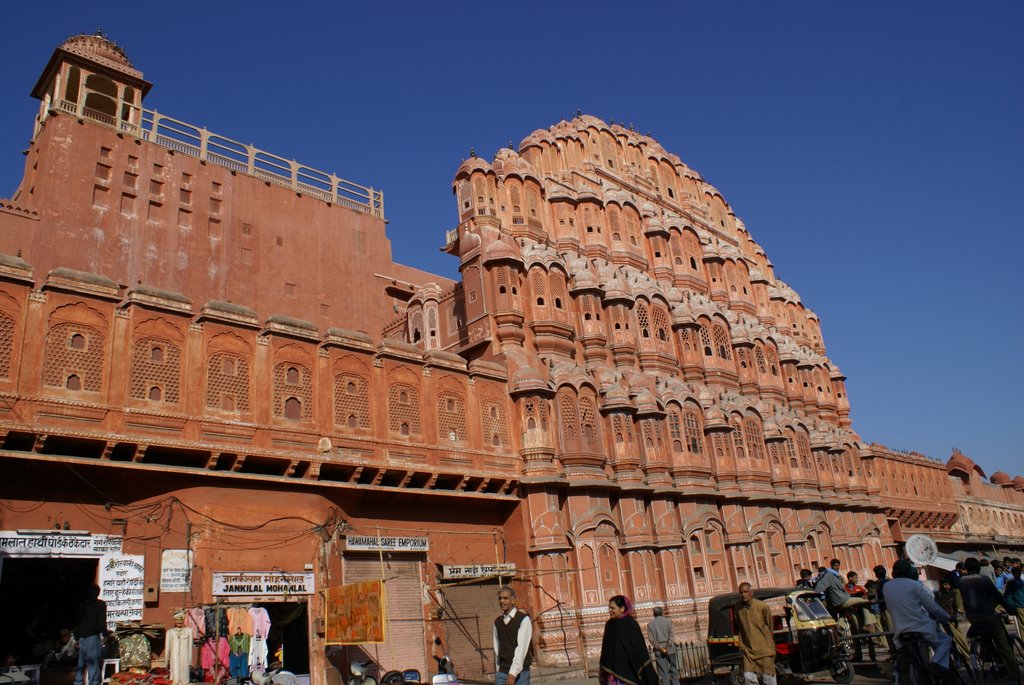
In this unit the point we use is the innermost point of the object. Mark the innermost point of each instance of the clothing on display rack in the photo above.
(239, 619)
(239, 643)
(216, 621)
(215, 655)
(260, 621)
(258, 653)
(196, 620)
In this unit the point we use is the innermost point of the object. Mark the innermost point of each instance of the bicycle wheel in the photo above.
(1017, 645)
(960, 667)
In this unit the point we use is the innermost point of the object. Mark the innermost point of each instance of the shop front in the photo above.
(46, 574)
(469, 596)
(398, 562)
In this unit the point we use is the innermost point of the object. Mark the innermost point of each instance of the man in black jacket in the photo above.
(980, 596)
(90, 623)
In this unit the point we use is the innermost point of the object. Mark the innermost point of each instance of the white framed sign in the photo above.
(122, 586)
(263, 583)
(58, 544)
(176, 570)
(476, 570)
(385, 543)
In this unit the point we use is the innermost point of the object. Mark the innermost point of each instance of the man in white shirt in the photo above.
(913, 609)
(513, 633)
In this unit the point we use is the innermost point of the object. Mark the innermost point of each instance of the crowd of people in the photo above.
(882, 605)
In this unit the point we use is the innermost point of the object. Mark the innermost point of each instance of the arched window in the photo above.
(739, 447)
(722, 342)
(292, 409)
(804, 447)
(292, 376)
(538, 286)
(694, 437)
(102, 95)
(675, 430)
(705, 341)
(76, 341)
(755, 441)
(154, 394)
(73, 382)
(659, 320)
(643, 320)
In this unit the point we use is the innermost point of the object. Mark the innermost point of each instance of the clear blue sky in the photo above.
(873, 148)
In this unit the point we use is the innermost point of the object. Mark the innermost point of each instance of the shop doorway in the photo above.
(39, 596)
(289, 635)
(469, 613)
(405, 641)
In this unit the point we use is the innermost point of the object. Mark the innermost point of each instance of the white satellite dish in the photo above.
(921, 549)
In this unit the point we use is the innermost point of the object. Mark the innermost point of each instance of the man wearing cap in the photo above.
(913, 610)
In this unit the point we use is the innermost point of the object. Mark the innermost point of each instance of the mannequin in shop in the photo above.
(179, 650)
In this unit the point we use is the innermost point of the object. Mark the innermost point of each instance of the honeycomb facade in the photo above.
(617, 395)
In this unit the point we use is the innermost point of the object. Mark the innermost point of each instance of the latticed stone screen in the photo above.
(535, 413)
(156, 364)
(558, 292)
(694, 439)
(451, 417)
(675, 431)
(74, 350)
(659, 319)
(351, 401)
(588, 418)
(404, 409)
(723, 343)
(643, 320)
(622, 429)
(568, 416)
(495, 423)
(227, 382)
(293, 380)
(6, 344)
(752, 429)
(738, 446)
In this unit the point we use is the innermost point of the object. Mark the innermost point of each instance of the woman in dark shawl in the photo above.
(625, 659)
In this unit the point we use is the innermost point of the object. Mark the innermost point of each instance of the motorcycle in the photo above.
(445, 667)
(360, 671)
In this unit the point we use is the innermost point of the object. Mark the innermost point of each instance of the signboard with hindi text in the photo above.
(450, 572)
(57, 544)
(122, 587)
(176, 570)
(263, 583)
(386, 543)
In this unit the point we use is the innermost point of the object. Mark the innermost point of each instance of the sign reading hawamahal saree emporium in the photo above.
(263, 583)
(384, 543)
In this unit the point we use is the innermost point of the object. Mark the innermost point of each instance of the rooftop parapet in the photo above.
(150, 125)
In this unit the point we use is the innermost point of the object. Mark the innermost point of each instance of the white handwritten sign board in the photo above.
(122, 586)
(176, 570)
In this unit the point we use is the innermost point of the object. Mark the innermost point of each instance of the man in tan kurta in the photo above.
(757, 645)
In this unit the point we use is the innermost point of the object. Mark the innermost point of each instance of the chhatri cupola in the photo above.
(91, 75)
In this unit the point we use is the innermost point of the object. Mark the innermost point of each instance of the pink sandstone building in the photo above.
(207, 353)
